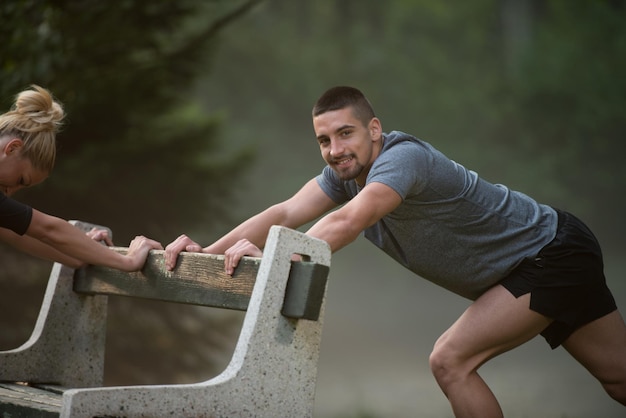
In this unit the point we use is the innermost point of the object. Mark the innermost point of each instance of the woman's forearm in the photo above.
(68, 240)
(37, 248)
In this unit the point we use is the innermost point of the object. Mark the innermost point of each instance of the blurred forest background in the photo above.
(190, 116)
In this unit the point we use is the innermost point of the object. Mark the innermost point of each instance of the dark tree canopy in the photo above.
(137, 152)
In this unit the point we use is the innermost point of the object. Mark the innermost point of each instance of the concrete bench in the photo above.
(58, 372)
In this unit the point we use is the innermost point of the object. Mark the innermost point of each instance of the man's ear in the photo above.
(375, 129)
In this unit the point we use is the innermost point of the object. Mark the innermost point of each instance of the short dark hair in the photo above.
(341, 97)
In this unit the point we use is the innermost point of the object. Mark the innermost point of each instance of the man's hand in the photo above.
(241, 248)
(180, 244)
(138, 251)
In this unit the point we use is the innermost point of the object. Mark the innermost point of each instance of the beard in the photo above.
(350, 172)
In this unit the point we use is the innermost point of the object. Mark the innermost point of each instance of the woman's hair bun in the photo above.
(40, 112)
(34, 118)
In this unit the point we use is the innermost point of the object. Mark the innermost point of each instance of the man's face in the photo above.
(346, 145)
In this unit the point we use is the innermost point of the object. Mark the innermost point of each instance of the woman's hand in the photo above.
(138, 251)
(100, 235)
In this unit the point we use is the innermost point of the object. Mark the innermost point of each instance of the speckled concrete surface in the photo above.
(67, 344)
(273, 370)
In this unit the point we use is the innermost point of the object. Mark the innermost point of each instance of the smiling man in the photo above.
(529, 268)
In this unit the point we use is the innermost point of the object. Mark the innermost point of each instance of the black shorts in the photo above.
(565, 279)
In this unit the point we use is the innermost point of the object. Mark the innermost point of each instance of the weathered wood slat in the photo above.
(198, 279)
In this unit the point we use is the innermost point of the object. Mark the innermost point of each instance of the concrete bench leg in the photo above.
(67, 343)
(273, 369)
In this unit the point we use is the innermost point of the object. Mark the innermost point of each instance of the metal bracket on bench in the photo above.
(305, 290)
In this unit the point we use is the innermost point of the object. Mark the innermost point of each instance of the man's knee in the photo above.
(616, 390)
(445, 363)
(613, 380)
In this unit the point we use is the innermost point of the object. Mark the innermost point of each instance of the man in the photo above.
(529, 268)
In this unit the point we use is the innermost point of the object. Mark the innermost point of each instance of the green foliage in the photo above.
(527, 93)
(138, 154)
(573, 96)
(136, 141)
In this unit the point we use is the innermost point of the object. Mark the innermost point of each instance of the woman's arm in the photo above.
(71, 242)
(37, 248)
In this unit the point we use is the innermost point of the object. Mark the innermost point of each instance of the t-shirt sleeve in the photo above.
(14, 215)
(332, 185)
(403, 167)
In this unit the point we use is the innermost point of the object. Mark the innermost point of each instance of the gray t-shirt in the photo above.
(452, 227)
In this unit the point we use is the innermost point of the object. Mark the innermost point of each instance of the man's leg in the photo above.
(493, 324)
(600, 346)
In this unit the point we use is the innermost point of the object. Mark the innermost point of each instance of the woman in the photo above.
(27, 155)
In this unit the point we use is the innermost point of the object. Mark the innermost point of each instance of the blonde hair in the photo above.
(35, 118)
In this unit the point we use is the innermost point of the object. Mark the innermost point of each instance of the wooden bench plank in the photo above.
(198, 279)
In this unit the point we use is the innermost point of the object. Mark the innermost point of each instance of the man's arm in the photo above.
(344, 225)
(308, 204)
(338, 228)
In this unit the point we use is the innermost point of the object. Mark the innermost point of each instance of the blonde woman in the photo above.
(27, 156)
